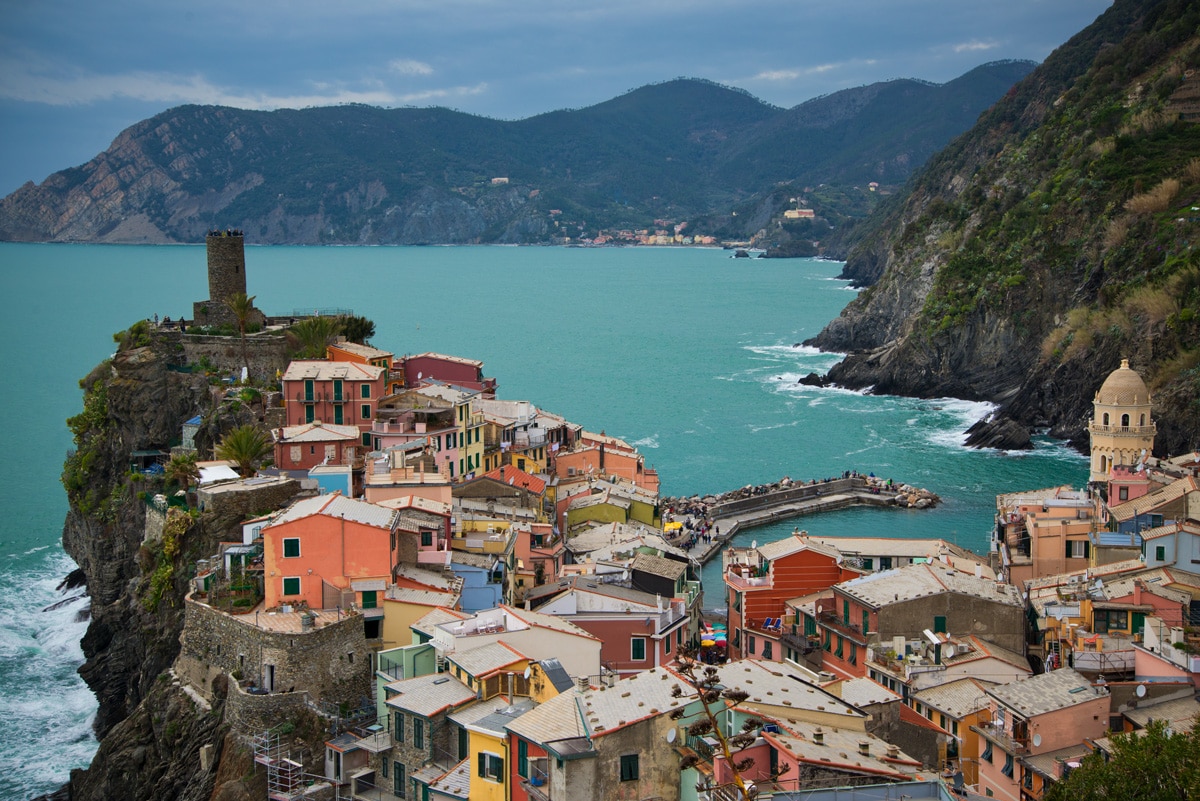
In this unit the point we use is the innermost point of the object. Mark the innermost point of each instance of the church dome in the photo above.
(1123, 387)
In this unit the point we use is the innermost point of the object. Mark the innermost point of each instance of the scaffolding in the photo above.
(285, 775)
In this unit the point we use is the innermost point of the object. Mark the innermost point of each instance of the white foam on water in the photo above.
(46, 708)
(645, 442)
(959, 415)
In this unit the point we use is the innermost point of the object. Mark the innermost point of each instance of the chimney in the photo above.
(978, 571)
(511, 679)
(1137, 591)
(864, 747)
(818, 736)
(893, 752)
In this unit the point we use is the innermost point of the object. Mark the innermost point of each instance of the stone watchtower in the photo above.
(1121, 429)
(226, 277)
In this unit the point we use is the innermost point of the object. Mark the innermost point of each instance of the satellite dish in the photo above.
(1141, 691)
(670, 735)
(1037, 740)
(528, 673)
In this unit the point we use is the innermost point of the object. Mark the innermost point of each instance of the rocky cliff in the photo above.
(158, 738)
(1050, 241)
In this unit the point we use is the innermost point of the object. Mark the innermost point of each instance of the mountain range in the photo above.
(682, 151)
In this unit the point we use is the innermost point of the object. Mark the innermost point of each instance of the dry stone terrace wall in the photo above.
(331, 662)
(253, 714)
(267, 352)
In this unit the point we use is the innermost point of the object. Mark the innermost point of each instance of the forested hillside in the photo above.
(1050, 241)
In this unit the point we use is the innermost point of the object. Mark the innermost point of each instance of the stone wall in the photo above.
(331, 663)
(252, 714)
(226, 265)
(267, 352)
(229, 504)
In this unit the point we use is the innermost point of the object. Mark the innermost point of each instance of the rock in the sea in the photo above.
(813, 380)
(1003, 434)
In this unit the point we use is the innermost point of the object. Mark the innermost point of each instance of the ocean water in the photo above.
(687, 353)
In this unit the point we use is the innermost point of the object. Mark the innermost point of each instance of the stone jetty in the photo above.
(710, 521)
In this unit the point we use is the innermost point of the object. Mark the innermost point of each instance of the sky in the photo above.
(75, 73)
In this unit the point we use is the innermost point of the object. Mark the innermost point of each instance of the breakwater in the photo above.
(709, 522)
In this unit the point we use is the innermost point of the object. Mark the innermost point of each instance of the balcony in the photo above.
(746, 580)
(1127, 431)
(538, 783)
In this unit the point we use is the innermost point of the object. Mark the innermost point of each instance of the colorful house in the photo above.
(341, 393)
(332, 551)
(759, 581)
(1045, 713)
(310, 444)
(455, 370)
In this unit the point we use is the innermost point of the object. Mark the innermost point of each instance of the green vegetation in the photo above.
(1156, 764)
(83, 468)
(357, 329)
(310, 337)
(136, 336)
(242, 306)
(163, 577)
(246, 446)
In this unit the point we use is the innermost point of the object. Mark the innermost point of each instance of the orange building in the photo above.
(760, 580)
(329, 551)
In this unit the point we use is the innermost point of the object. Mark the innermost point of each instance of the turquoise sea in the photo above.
(687, 353)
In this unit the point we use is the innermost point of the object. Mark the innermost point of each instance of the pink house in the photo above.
(466, 373)
(429, 521)
(1032, 717)
(310, 444)
(341, 393)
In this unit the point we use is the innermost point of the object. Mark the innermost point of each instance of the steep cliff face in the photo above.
(1049, 242)
(158, 738)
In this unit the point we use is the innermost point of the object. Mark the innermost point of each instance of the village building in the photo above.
(341, 393)
(1034, 717)
(759, 581)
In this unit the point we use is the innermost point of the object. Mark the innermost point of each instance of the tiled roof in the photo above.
(1047, 763)
(1147, 503)
(589, 584)
(486, 659)
(427, 625)
(419, 504)
(336, 505)
(412, 595)
(358, 349)
(327, 371)
(552, 622)
(774, 684)
(659, 566)
(509, 474)
(957, 698)
(919, 581)
(982, 649)
(839, 750)
(443, 357)
(317, 432)
(553, 721)
(479, 560)
(643, 695)
(455, 782)
(864, 692)
(429, 578)
(794, 543)
(606, 534)
(1047, 692)
(429, 695)
(1180, 710)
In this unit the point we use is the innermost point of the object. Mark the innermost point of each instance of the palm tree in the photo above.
(246, 446)
(242, 306)
(312, 336)
(183, 471)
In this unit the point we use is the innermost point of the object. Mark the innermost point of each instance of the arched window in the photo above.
(1124, 421)
(1142, 420)
(1106, 418)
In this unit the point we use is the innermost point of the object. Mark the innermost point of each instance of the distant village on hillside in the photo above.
(483, 600)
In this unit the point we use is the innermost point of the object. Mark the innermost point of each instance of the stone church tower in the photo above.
(1121, 429)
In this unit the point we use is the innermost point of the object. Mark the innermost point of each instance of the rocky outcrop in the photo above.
(159, 738)
(1012, 273)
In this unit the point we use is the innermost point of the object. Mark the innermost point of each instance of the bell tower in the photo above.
(1121, 429)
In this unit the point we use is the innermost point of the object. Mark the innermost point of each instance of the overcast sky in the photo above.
(75, 73)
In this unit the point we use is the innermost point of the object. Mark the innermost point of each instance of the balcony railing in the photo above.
(1133, 431)
(745, 582)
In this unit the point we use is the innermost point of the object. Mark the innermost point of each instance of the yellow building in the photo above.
(1121, 429)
